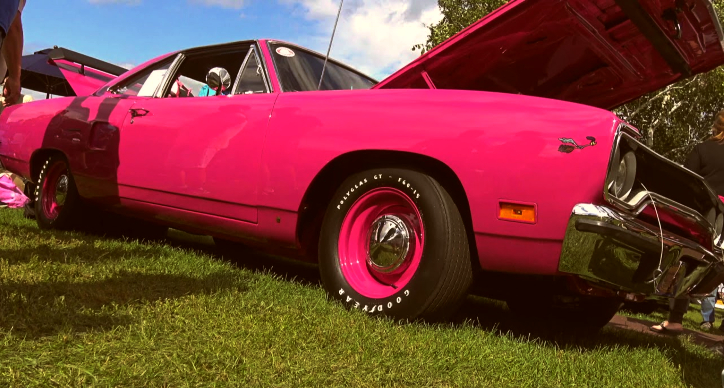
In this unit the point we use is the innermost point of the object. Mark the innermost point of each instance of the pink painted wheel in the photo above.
(393, 243)
(56, 199)
(55, 191)
(381, 242)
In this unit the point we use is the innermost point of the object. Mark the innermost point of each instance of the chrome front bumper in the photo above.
(614, 250)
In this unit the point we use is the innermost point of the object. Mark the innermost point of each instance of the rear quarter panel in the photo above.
(501, 147)
(22, 131)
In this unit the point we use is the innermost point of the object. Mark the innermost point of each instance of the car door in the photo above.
(199, 154)
(90, 126)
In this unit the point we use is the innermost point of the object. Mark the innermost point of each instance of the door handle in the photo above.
(138, 112)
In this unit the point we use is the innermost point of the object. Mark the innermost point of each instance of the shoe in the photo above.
(662, 328)
(705, 326)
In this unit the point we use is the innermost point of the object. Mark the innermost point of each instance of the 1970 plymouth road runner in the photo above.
(491, 163)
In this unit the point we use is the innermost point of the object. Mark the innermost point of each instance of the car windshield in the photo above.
(299, 71)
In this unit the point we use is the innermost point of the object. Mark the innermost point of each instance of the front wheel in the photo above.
(57, 202)
(393, 243)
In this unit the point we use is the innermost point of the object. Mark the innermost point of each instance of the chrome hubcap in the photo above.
(389, 243)
(61, 190)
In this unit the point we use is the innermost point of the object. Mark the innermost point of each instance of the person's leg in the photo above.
(8, 10)
(707, 311)
(679, 307)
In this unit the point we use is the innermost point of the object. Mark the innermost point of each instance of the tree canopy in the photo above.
(672, 120)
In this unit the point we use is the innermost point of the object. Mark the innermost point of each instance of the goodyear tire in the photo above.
(393, 243)
(57, 202)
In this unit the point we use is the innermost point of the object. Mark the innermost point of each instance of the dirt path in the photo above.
(712, 341)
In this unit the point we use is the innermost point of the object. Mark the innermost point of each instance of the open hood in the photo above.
(602, 53)
(64, 72)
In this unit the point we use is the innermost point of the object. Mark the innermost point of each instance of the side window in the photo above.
(251, 80)
(193, 80)
(143, 84)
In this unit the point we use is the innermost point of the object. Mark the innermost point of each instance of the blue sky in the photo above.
(374, 36)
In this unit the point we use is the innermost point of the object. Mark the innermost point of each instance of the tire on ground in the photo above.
(393, 243)
(57, 202)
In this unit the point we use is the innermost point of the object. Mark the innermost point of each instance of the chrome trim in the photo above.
(389, 244)
(237, 82)
(642, 199)
(166, 81)
(612, 248)
(61, 190)
(661, 201)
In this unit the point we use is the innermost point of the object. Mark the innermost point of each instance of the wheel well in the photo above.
(325, 184)
(36, 161)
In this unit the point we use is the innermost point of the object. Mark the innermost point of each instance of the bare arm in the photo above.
(13, 51)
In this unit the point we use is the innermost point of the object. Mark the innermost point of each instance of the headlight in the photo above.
(625, 175)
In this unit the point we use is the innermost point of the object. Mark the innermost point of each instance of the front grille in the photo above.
(685, 204)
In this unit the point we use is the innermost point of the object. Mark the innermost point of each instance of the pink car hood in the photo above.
(602, 53)
(83, 84)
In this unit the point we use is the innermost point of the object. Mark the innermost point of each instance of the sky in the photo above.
(374, 36)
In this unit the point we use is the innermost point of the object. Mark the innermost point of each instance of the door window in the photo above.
(145, 83)
(191, 78)
(251, 80)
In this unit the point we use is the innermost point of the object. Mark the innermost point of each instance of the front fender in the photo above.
(502, 148)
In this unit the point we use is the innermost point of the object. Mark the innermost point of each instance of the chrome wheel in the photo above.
(389, 243)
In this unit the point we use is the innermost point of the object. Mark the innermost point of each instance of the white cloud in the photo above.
(129, 2)
(233, 4)
(127, 66)
(374, 36)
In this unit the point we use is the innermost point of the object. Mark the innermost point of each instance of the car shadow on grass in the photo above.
(698, 367)
(38, 309)
(285, 269)
(25, 243)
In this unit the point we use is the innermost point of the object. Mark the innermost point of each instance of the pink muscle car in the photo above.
(491, 164)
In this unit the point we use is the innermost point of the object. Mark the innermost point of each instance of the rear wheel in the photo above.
(393, 243)
(57, 203)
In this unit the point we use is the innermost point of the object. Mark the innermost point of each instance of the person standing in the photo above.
(11, 47)
(708, 308)
(11, 51)
(707, 160)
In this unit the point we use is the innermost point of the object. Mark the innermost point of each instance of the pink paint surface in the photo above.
(84, 83)
(243, 166)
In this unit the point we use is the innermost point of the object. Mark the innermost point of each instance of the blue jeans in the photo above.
(8, 10)
(707, 308)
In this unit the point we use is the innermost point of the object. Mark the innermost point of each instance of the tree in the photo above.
(456, 15)
(672, 120)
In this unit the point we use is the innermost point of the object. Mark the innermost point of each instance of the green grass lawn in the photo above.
(80, 310)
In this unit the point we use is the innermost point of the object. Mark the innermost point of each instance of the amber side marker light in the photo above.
(517, 212)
